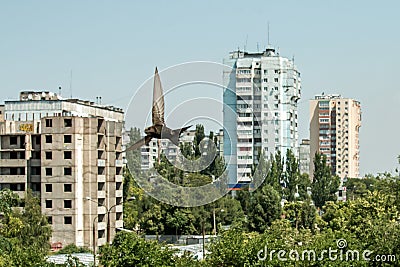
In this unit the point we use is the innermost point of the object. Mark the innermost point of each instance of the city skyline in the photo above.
(338, 50)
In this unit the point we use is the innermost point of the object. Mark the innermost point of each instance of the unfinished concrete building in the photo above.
(67, 151)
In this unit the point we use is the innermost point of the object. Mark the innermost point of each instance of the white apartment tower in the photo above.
(335, 123)
(263, 90)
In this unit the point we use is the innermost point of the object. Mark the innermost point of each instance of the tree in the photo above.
(24, 235)
(301, 214)
(324, 184)
(264, 208)
(133, 156)
(275, 174)
(128, 249)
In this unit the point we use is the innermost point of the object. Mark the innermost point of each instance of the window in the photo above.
(67, 171)
(49, 123)
(49, 155)
(49, 219)
(49, 204)
(276, 80)
(67, 155)
(243, 80)
(276, 71)
(67, 220)
(67, 204)
(265, 80)
(49, 139)
(67, 187)
(67, 122)
(13, 140)
(100, 186)
(67, 139)
(100, 202)
(49, 171)
(101, 233)
(49, 188)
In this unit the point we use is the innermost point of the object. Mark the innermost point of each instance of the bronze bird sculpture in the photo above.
(159, 129)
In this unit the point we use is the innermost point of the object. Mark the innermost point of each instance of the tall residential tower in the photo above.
(334, 131)
(260, 110)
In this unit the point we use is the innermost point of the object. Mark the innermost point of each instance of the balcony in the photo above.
(12, 162)
(119, 224)
(101, 210)
(102, 225)
(101, 162)
(8, 178)
(119, 163)
(101, 194)
(118, 193)
(101, 178)
(118, 208)
(119, 178)
(35, 178)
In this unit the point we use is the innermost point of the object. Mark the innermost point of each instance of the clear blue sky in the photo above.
(346, 47)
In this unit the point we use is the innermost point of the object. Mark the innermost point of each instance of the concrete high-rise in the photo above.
(334, 131)
(66, 151)
(260, 110)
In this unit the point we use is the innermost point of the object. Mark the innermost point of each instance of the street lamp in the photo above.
(94, 240)
(108, 214)
(214, 222)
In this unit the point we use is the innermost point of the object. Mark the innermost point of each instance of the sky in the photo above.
(112, 47)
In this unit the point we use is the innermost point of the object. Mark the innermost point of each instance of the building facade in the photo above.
(260, 110)
(304, 156)
(334, 131)
(150, 153)
(66, 151)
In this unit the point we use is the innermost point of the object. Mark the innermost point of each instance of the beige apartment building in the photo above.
(67, 151)
(334, 131)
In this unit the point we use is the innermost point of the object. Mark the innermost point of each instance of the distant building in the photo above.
(304, 156)
(334, 131)
(260, 110)
(1, 113)
(150, 153)
(65, 150)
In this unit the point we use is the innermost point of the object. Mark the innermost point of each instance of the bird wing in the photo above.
(158, 101)
(184, 129)
(144, 141)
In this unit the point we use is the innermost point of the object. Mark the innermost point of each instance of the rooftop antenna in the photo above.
(70, 83)
(258, 47)
(59, 90)
(245, 44)
(268, 36)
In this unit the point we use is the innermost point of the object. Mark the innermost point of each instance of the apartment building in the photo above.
(67, 151)
(304, 156)
(335, 123)
(260, 110)
(150, 153)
